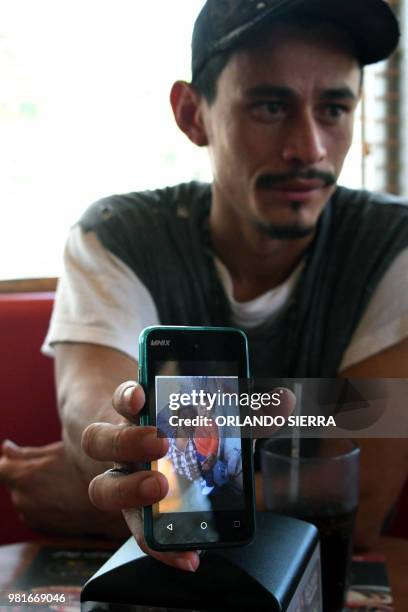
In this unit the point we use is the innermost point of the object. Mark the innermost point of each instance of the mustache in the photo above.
(271, 180)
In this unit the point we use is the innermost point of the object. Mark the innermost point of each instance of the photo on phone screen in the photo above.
(208, 465)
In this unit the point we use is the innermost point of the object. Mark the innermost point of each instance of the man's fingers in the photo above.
(123, 443)
(13, 451)
(277, 414)
(116, 490)
(6, 474)
(128, 400)
(184, 560)
(287, 402)
(10, 449)
(18, 472)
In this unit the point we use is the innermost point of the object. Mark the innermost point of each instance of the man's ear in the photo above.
(187, 108)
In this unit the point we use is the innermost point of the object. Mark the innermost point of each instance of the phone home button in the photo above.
(203, 525)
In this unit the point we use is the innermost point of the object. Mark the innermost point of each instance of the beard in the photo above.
(293, 231)
(285, 232)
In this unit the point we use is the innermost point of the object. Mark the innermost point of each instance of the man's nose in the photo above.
(303, 141)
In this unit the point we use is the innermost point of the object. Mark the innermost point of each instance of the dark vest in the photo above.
(163, 237)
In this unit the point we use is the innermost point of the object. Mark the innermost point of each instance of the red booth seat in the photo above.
(28, 406)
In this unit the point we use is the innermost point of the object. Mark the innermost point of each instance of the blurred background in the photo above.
(84, 113)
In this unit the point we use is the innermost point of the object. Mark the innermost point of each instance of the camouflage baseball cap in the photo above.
(224, 24)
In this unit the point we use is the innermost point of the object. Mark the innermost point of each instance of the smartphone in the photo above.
(186, 372)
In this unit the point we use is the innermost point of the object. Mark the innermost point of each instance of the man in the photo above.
(272, 246)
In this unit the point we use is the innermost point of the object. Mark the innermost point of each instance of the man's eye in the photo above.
(335, 111)
(274, 107)
(267, 111)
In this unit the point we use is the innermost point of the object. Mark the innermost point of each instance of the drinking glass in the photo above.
(317, 480)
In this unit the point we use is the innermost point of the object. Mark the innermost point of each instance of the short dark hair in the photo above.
(206, 81)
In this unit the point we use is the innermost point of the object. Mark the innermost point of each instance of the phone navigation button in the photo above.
(203, 525)
(170, 526)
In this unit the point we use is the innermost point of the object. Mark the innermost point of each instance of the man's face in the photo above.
(280, 128)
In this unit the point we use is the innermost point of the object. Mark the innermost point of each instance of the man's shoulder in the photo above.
(369, 216)
(367, 202)
(178, 200)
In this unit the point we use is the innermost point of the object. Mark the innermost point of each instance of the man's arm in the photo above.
(384, 463)
(86, 378)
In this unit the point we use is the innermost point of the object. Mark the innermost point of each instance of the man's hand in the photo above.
(126, 488)
(49, 494)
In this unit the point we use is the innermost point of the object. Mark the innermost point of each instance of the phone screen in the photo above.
(208, 465)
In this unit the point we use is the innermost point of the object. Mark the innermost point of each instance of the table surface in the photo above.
(14, 558)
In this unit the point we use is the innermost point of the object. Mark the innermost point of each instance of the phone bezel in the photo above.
(197, 344)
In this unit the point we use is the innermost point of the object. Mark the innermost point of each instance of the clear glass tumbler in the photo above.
(317, 481)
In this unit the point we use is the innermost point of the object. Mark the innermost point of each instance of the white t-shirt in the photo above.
(101, 301)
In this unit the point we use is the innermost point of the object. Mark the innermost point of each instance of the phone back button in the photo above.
(203, 525)
(170, 526)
